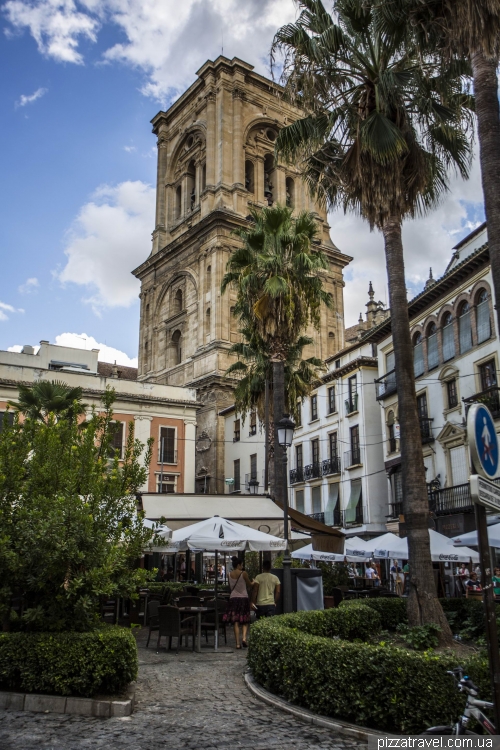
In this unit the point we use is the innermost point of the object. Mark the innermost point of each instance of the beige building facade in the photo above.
(215, 162)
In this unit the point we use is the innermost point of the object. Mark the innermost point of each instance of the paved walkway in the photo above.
(184, 702)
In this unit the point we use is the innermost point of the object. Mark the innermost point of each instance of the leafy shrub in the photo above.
(420, 637)
(377, 686)
(392, 610)
(176, 588)
(333, 575)
(358, 622)
(99, 661)
(466, 616)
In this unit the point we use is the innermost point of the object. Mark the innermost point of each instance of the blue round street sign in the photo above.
(483, 441)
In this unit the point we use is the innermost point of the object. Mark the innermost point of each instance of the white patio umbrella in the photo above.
(442, 550)
(162, 531)
(217, 534)
(357, 548)
(308, 553)
(471, 537)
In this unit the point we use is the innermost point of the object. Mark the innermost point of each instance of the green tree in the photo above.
(43, 398)
(381, 128)
(470, 28)
(69, 530)
(277, 273)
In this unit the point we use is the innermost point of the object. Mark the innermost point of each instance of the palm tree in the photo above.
(380, 130)
(471, 29)
(43, 398)
(277, 273)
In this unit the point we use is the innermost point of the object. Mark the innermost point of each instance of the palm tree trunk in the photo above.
(423, 604)
(488, 123)
(278, 411)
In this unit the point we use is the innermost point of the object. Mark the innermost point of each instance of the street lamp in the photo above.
(285, 428)
(253, 486)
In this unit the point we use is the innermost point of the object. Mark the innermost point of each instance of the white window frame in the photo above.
(158, 481)
(176, 453)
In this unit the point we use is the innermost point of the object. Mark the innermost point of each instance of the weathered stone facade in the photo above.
(215, 160)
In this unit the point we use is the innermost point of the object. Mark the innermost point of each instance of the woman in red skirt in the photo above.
(238, 610)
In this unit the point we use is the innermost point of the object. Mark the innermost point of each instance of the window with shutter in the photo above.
(316, 499)
(167, 446)
(432, 347)
(116, 439)
(448, 338)
(483, 317)
(465, 328)
(418, 355)
(459, 467)
(299, 500)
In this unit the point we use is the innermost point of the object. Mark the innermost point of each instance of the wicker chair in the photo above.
(208, 621)
(153, 617)
(170, 625)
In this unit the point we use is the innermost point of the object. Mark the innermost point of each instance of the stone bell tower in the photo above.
(215, 161)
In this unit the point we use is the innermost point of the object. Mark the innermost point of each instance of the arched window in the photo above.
(178, 301)
(207, 322)
(191, 185)
(432, 347)
(208, 279)
(269, 179)
(249, 176)
(290, 192)
(178, 202)
(483, 321)
(391, 432)
(331, 342)
(448, 337)
(177, 346)
(464, 328)
(418, 355)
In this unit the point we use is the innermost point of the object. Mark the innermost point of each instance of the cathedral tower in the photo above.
(215, 161)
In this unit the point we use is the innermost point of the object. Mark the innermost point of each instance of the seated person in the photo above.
(473, 584)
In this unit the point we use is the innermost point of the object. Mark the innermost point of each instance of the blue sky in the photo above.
(82, 81)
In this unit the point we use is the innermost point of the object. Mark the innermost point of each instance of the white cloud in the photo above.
(129, 149)
(56, 25)
(106, 353)
(82, 341)
(25, 99)
(29, 286)
(110, 238)
(165, 39)
(5, 308)
(427, 242)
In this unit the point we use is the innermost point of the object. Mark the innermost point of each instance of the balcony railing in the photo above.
(426, 430)
(236, 436)
(386, 385)
(317, 517)
(395, 510)
(331, 466)
(351, 404)
(297, 475)
(168, 457)
(490, 398)
(313, 471)
(358, 519)
(352, 458)
(456, 499)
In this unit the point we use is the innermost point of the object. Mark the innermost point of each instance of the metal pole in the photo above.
(489, 608)
(266, 442)
(162, 461)
(287, 560)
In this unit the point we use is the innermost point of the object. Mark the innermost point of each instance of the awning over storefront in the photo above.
(180, 510)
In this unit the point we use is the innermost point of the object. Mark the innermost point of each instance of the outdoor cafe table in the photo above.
(198, 611)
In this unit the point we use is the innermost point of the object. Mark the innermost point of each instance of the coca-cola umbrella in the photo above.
(218, 534)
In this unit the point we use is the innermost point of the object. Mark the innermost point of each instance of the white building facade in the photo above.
(244, 452)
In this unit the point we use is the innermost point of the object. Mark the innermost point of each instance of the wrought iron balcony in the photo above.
(313, 471)
(386, 385)
(317, 517)
(426, 430)
(167, 456)
(358, 519)
(395, 510)
(490, 398)
(331, 466)
(297, 475)
(456, 499)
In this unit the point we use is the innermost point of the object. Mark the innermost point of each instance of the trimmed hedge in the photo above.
(375, 686)
(157, 587)
(83, 664)
(358, 622)
(392, 611)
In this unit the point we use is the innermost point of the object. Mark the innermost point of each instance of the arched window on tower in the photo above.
(191, 186)
(178, 301)
(249, 176)
(177, 347)
(178, 202)
(269, 178)
(290, 192)
(331, 343)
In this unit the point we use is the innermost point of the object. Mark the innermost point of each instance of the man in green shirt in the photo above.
(266, 591)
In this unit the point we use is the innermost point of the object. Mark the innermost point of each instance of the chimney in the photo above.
(27, 349)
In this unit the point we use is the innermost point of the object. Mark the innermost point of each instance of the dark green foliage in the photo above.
(420, 637)
(372, 685)
(392, 611)
(466, 616)
(333, 575)
(358, 622)
(157, 587)
(101, 661)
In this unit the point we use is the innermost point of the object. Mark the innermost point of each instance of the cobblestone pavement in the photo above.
(184, 702)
